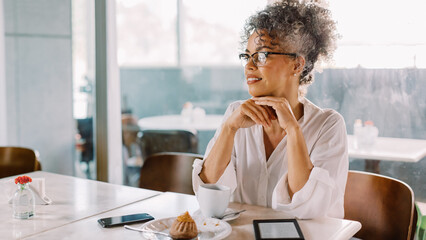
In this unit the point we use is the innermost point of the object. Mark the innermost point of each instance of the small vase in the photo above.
(23, 202)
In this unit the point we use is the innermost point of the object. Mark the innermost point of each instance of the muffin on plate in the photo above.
(184, 227)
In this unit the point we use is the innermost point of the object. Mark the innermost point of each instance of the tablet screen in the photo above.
(277, 229)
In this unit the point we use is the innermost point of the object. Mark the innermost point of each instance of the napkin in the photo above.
(37, 186)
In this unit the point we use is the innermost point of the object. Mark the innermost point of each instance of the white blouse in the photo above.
(253, 180)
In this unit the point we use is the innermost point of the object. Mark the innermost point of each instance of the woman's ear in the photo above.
(300, 63)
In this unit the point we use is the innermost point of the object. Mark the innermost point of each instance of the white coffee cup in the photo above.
(213, 199)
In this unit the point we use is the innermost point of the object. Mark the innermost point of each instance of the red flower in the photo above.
(23, 180)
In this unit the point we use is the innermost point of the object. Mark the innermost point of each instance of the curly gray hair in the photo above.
(305, 27)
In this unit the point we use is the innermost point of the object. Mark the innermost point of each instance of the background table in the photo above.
(203, 127)
(178, 122)
(173, 204)
(73, 199)
(388, 149)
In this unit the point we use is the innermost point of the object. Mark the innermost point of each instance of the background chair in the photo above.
(18, 160)
(130, 130)
(170, 171)
(155, 141)
(85, 130)
(132, 155)
(383, 205)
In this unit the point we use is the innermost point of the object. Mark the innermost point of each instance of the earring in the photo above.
(294, 75)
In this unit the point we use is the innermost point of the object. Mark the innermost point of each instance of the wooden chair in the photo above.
(383, 205)
(155, 141)
(168, 171)
(18, 160)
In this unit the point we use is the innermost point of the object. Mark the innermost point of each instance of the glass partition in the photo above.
(83, 59)
(186, 51)
(172, 53)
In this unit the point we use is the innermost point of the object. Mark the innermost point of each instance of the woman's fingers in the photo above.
(266, 119)
(268, 103)
(269, 98)
(278, 104)
(262, 112)
(271, 112)
(281, 107)
(257, 113)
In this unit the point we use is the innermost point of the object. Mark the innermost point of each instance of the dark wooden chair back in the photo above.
(156, 141)
(168, 171)
(85, 129)
(383, 205)
(18, 160)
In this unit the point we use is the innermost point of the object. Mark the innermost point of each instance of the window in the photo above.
(172, 52)
(184, 32)
(211, 30)
(380, 34)
(146, 33)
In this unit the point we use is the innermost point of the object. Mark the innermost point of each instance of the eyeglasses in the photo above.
(259, 58)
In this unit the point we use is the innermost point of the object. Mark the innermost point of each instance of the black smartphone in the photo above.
(122, 220)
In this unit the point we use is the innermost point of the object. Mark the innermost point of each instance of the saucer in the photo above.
(208, 228)
(228, 210)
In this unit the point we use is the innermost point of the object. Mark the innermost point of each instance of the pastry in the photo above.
(184, 227)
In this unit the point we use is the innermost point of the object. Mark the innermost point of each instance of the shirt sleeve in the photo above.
(228, 177)
(323, 193)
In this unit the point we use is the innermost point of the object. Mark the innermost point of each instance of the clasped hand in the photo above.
(262, 110)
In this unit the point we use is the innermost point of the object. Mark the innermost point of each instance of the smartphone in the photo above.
(122, 220)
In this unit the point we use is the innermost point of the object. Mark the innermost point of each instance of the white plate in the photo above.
(228, 218)
(208, 228)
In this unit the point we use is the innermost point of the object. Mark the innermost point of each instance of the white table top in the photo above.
(390, 149)
(178, 122)
(73, 199)
(173, 204)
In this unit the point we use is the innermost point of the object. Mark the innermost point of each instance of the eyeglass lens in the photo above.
(258, 59)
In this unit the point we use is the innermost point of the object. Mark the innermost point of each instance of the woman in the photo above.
(277, 149)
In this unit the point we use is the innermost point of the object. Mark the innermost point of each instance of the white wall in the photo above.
(3, 119)
(39, 80)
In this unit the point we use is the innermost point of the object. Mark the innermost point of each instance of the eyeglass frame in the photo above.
(266, 57)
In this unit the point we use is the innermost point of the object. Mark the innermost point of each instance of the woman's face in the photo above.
(276, 76)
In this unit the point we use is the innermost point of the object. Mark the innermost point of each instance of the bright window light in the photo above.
(380, 33)
(374, 33)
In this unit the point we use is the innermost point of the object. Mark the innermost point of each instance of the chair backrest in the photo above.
(130, 129)
(18, 160)
(155, 141)
(383, 205)
(85, 129)
(168, 171)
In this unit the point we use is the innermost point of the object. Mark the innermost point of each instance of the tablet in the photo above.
(277, 229)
